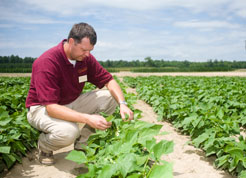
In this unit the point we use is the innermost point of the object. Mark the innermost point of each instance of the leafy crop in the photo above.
(126, 149)
(212, 110)
(16, 135)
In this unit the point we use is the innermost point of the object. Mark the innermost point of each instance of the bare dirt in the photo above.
(239, 73)
(188, 162)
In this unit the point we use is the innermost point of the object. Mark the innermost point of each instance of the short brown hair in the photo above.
(82, 30)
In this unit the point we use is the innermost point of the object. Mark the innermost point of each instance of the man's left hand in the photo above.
(124, 110)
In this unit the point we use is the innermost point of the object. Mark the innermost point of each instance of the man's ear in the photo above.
(70, 41)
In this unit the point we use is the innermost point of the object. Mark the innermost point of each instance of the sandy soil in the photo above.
(188, 162)
(240, 73)
(15, 74)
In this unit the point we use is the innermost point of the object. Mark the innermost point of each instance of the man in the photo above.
(55, 102)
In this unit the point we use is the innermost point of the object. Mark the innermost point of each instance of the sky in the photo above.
(193, 30)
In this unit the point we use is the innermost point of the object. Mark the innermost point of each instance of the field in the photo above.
(207, 112)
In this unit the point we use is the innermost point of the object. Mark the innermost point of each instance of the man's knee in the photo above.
(109, 103)
(66, 136)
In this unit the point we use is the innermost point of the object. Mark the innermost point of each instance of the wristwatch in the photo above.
(123, 102)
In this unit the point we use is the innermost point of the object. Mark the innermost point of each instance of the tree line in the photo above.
(14, 63)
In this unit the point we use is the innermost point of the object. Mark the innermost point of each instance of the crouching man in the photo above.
(55, 101)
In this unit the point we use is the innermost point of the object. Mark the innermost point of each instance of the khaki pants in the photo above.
(57, 133)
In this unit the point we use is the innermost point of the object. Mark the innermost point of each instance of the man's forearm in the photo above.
(115, 90)
(65, 113)
(117, 93)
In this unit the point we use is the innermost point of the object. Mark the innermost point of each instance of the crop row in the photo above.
(211, 110)
(17, 137)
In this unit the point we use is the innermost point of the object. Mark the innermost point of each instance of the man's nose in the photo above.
(87, 53)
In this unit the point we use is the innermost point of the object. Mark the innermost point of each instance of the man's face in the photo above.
(78, 51)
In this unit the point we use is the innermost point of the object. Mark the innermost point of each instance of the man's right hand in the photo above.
(65, 113)
(98, 122)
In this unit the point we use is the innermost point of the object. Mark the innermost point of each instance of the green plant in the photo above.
(17, 137)
(127, 149)
(212, 110)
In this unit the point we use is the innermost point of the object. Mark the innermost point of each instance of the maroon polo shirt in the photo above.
(55, 80)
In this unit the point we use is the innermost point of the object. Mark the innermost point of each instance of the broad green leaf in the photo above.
(148, 133)
(196, 122)
(91, 172)
(77, 156)
(9, 159)
(141, 125)
(233, 164)
(163, 147)
(200, 139)
(244, 162)
(19, 146)
(141, 160)
(124, 148)
(161, 171)
(220, 113)
(150, 144)
(222, 160)
(189, 119)
(210, 151)
(5, 121)
(237, 153)
(108, 171)
(4, 114)
(243, 120)
(5, 149)
(110, 118)
(234, 151)
(114, 148)
(16, 136)
(127, 163)
(242, 174)
(131, 136)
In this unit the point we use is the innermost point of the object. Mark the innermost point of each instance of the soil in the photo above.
(239, 73)
(188, 162)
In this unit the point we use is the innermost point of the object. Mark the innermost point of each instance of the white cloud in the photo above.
(206, 24)
(8, 14)
(242, 13)
(27, 45)
(75, 6)
(239, 7)
(6, 25)
(98, 9)
(140, 43)
(162, 29)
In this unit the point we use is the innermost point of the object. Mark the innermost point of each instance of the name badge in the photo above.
(83, 78)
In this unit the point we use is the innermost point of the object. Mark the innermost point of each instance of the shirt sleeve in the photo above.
(47, 88)
(97, 75)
